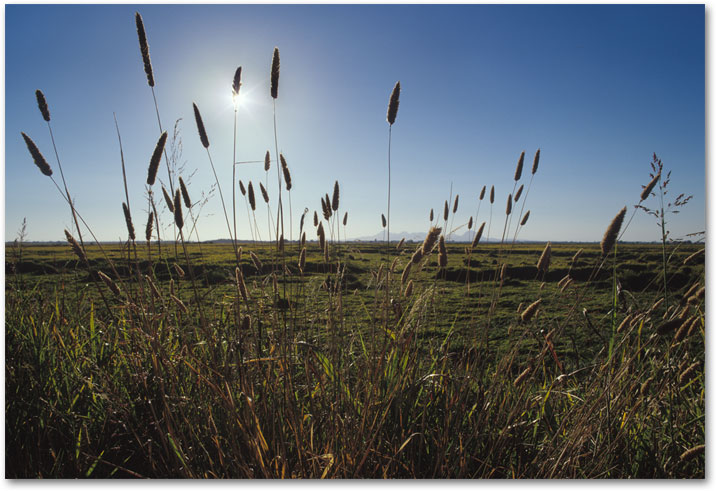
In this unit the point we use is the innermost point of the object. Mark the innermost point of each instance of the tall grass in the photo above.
(348, 374)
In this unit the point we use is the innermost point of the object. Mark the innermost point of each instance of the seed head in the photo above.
(42, 105)
(492, 194)
(525, 218)
(430, 239)
(315, 217)
(536, 162)
(275, 67)
(169, 200)
(409, 289)
(520, 163)
(336, 196)
(156, 158)
(128, 219)
(442, 252)
(264, 193)
(544, 259)
(200, 127)
(178, 216)
(530, 311)
(519, 193)
(257, 262)
(382, 217)
(345, 219)
(302, 260)
(508, 208)
(40, 161)
(150, 224)
(110, 284)
(184, 193)
(144, 48)
(482, 193)
(286, 173)
(252, 197)
(432, 215)
(454, 206)
(393, 104)
(649, 187)
(469, 224)
(242, 188)
(236, 85)
(610, 236)
(478, 235)
(76, 248)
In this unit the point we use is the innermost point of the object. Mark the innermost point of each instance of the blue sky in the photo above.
(597, 88)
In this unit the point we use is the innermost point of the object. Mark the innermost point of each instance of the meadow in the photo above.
(326, 358)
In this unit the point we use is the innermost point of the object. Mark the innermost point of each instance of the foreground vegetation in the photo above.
(312, 359)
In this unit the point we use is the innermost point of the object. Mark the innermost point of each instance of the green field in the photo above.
(336, 372)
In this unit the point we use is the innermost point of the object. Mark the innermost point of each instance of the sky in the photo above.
(598, 89)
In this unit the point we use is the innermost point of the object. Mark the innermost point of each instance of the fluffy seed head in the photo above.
(446, 211)
(518, 170)
(179, 270)
(525, 218)
(400, 243)
(42, 105)
(536, 162)
(432, 214)
(40, 161)
(544, 259)
(110, 284)
(469, 224)
(242, 188)
(382, 217)
(76, 248)
(409, 289)
(345, 219)
(144, 48)
(649, 187)
(476, 239)
(128, 219)
(267, 161)
(482, 193)
(430, 239)
(610, 236)
(169, 200)
(688, 374)
(492, 194)
(336, 196)
(178, 216)
(286, 173)
(522, 376)
(200, 127)
(406, 273)
(184, 193)
(393, 104)
(252, 197)
(508, 208)
(315, 217)
(454, 206)
(692, 452)
(442, 252)
(530, 311)
(156, 159)
(417, 256)
(519, 193)
(275, 68)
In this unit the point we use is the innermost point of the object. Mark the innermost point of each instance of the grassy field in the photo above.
(331, 379)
